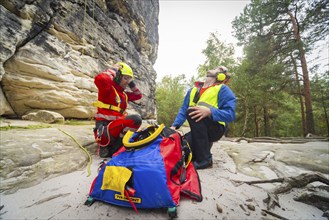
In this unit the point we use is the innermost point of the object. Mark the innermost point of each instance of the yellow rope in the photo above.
(84, 149)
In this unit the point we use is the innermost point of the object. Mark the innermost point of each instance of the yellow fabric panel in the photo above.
(207, 99)
(115, 178)
(210, 96)
(192, 94)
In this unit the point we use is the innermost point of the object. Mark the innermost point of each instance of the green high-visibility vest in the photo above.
(207, 99)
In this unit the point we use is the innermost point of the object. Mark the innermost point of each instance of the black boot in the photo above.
(202, 165)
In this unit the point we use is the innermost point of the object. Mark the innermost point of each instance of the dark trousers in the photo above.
(202, 136)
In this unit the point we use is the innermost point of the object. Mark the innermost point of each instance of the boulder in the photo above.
(44, 116)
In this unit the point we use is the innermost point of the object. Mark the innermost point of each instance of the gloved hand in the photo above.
(132, 84)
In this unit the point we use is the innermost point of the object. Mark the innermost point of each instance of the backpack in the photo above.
(152, 170)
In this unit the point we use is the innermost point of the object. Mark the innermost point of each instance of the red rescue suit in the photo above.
(109, 92)
(111, 119)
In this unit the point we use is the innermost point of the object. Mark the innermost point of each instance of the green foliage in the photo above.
(275, 36)
(217, 53)
(287, 120)
(78, 122)
(266, 82)
(169, 96)
(29, 127)
(72, 122)
(320, 91)
(270, 18)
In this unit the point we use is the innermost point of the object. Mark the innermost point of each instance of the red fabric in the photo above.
(104, 140)
(116, 127)
(106, 94)
(202, 89)
(171, 153)
(92, 186)
(122, 149)
(130, 201)
(191, 187)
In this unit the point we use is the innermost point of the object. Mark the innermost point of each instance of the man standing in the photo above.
(112, 121)
(207, 107)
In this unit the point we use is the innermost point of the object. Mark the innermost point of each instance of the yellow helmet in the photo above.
(125, 69)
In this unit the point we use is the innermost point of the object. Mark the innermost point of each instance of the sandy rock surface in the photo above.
(59, 193)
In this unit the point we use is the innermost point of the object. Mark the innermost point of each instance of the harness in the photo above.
(117, 108)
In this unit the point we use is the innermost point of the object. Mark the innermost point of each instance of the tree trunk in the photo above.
(325, 112)
(245, 117)
(307, 86)
(299, 92)
(256, 122)
(266, 122)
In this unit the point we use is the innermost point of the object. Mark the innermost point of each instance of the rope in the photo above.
(84, 149)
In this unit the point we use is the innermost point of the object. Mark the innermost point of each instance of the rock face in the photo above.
(51, 51)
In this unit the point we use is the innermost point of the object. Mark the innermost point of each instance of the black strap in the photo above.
(197, 96)
(100, 131)
(141, 135)
(181, 164)
(175, 170)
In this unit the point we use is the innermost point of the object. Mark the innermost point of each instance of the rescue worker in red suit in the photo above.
(112, 121)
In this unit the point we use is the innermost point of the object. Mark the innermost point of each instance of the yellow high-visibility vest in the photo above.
(207, 99)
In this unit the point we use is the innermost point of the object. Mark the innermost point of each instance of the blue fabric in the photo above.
(225, 111)
(149, 178)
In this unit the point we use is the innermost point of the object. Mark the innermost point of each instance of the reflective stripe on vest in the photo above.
(207, 99)
(117, 108)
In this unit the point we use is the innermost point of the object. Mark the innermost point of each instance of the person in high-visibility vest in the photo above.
(112, 121)
(207, 107)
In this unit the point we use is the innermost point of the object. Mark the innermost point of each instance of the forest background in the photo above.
(278, 94)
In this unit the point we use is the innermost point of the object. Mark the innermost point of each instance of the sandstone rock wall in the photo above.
(50, 52)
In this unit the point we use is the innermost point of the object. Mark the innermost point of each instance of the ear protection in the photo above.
(221, 77)
(118, 77)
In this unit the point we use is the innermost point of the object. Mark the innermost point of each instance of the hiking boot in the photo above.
(109, 150)
(104, 152)
(202, 165)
